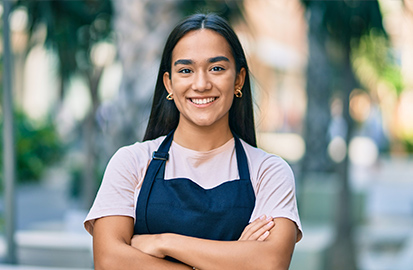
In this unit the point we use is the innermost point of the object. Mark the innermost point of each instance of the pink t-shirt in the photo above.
(271, 177)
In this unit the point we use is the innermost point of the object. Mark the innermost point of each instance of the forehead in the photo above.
(200, 45)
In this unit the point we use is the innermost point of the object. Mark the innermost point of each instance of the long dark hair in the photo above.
(164, 114)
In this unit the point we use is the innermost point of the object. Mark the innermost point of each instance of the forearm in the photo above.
(112, 249)
(215, 255)
(273, 253)
(123, 256)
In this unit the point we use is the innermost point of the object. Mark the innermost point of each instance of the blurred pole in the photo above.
(8, 138)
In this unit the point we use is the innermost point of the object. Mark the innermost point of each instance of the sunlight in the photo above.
(363, 151)
(289, 146)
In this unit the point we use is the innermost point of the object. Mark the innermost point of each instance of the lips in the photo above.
(202, 101)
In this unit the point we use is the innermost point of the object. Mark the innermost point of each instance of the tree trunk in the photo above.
(343, 256)
(142, 28)
(90, 181)
(319, 92)
(318, 96)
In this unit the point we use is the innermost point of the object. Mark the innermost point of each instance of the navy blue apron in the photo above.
(183, 207)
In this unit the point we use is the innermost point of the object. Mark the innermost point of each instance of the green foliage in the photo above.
(77, 176)
(375, 60)
(347, 19)
(73, 27)
(36, 148)
(408, 144)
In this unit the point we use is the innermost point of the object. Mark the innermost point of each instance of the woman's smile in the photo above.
(202, 101)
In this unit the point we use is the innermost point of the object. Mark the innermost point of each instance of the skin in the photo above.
(113, 248)
(203, 69)
(274, 252)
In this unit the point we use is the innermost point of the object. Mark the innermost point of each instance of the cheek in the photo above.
(179, 85)
(229, 80)
(229, 86)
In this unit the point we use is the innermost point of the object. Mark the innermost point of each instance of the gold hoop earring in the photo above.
(170, 96)
(238, 93)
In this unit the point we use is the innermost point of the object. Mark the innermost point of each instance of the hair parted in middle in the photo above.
(164, 115)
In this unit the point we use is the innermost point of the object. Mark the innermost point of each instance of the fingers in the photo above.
(264, 236)
(258, 229)
(264, 231)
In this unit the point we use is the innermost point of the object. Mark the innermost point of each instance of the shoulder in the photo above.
(132, 158)
(268, 171)
(274, 185)
(260, 160)
(139, 150)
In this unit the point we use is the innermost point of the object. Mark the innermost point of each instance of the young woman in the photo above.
(197, 193)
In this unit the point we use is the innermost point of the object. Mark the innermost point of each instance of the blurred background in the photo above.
(333, 93)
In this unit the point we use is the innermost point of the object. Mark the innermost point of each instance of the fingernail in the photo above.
(269, 218)
(262, 217)
(270, 223)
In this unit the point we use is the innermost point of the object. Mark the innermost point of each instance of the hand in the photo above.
(258, 230)
(149, 244)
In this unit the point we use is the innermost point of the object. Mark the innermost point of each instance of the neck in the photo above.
(202, 138)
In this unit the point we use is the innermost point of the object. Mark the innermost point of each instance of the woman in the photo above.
(203, 196)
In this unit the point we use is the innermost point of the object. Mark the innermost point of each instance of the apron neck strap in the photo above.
(162, 152)
(242, 160)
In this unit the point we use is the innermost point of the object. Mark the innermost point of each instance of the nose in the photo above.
(201, 82)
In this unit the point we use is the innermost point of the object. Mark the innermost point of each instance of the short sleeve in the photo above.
(275, 191)
(117, 191)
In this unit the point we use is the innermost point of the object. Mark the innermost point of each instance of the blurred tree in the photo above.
(72, 29)
(335, 27)
(37, 146)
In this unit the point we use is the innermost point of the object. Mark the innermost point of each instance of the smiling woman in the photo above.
(197, 193)
(202, 82)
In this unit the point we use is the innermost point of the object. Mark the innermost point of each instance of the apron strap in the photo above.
(242, 160)
(159, 159)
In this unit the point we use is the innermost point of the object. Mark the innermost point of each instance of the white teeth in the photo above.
(201, 101)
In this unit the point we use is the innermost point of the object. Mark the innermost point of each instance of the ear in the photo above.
(167, 82)
(240, 79)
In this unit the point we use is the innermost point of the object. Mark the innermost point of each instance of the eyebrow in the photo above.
(210, 60)
(183, 62)
(217, 59)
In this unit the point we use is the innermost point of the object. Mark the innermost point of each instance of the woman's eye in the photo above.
(217, 69)
(185, 71)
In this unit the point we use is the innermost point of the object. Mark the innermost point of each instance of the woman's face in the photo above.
(203, 79)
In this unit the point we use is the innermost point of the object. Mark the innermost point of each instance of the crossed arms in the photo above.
(264, 244)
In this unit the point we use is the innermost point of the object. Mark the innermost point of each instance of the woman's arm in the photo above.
(112, 250)
(273, 253)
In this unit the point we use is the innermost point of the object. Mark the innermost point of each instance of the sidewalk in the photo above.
(49, 228)
(24, 267)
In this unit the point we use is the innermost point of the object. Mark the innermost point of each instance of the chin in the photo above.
(203, 124)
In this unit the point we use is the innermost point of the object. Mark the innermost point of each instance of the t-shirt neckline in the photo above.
(204, 154)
